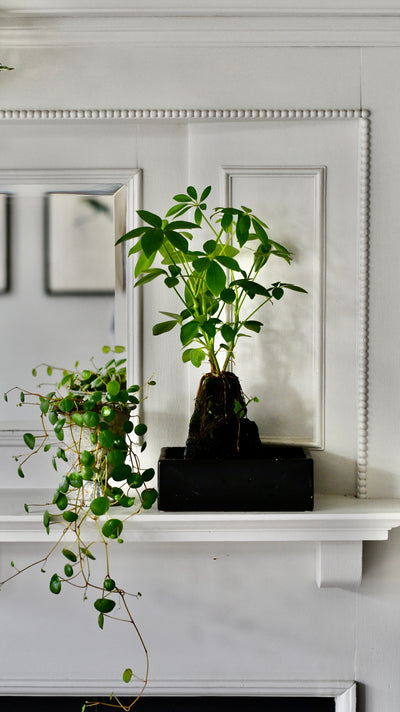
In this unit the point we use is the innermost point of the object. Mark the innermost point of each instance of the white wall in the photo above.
(238, 611)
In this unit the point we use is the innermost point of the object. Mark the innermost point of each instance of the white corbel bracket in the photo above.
(339, 564)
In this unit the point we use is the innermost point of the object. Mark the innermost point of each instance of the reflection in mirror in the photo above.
(79, 244)
(4, 243)
(84, 270)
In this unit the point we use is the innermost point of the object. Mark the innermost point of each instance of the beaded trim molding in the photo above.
(135, 114)
(363, 116)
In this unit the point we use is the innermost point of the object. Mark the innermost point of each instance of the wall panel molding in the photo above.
(316, 176)
(361, 116)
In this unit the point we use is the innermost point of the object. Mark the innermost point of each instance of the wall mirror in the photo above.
(69, 284)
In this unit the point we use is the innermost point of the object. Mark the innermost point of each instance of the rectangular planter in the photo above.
(280, 479)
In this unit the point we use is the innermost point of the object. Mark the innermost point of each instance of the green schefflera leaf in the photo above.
(163, 326)
(29, 440)
(228, 333)
(189, 332)
(253, 325)
(215, 278)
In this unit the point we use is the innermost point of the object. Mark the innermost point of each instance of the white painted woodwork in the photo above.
(338, 526)
(242, 616)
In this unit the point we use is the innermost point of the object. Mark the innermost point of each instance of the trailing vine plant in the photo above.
(92, 431)
(219, 296)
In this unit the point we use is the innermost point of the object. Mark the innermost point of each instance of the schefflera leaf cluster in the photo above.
(93, 433)
(211, 281)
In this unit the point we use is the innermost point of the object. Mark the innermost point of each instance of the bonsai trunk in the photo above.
(219, 427)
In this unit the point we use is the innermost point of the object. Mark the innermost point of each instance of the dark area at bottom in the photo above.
(174, 704)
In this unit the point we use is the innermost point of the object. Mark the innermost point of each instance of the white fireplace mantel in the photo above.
(338, 525)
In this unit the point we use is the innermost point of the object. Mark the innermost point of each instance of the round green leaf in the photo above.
(121, 472)
(104, 605)
(100, 505)
(70, 516)
(55, 584)
(106, 438)
(135, 479)
(120, 443)
(68, 570)
(61, 501)
(116, 457)
(66, 405)
(87, 473)
(53, 417)
(112, 528)
(108, 413)
(127, 675)
(29, 440)
(109, 584)
(91, 419)
(78, 419)
(140, 429)
(149, 496)
(87, 458)
(148, 474)
(113, 388)
(75, 479)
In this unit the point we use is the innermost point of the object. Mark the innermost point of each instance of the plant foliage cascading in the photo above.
(90, 426)
(214, 288)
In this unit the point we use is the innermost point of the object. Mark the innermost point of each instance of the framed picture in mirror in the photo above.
(80, 254)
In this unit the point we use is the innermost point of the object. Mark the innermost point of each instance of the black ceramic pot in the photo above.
(279, 479)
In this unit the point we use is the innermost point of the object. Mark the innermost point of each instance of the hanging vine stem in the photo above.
(95, 410)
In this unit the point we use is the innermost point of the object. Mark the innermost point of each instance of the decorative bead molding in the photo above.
(362, 115)
(185, 114)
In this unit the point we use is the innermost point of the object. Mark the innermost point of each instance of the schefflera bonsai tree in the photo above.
(93, 435)
(219, 296)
